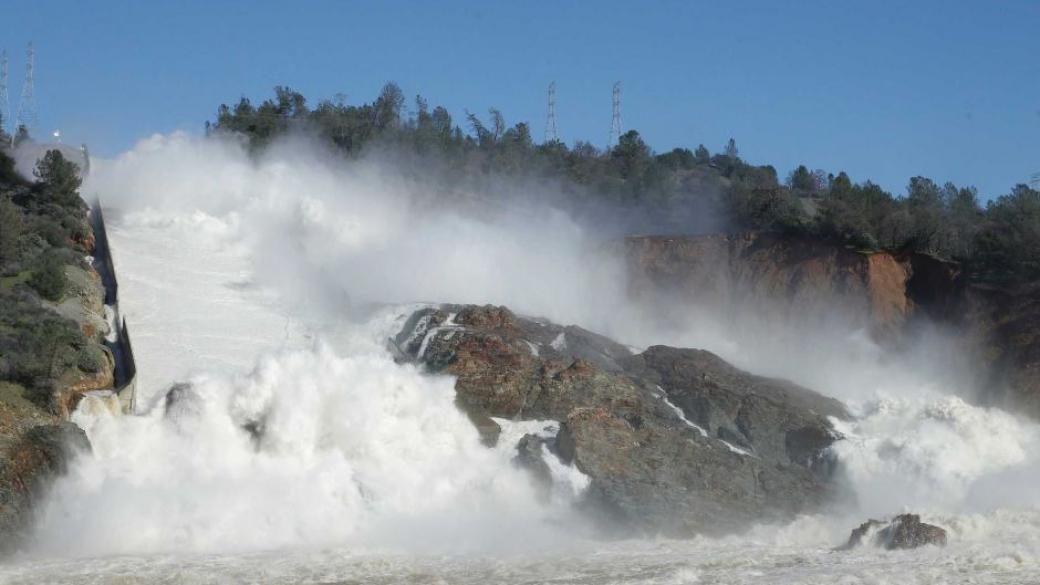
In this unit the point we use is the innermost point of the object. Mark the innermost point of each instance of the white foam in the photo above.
(929, 451)
(353, 449)
(569, 483)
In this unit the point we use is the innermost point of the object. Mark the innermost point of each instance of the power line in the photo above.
(27, 106)
(550, 119)
(615, 120)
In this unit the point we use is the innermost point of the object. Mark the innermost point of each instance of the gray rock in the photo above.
(653, 466)
(774, 419)
(530, 456)
(902, 532)
(26, 472)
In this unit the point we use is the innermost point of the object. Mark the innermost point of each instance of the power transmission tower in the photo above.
(5, 102)
(27, 106)
(550, 121)
(1034, 180)
(615, 121)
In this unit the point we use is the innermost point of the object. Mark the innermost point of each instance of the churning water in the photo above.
(260, 285)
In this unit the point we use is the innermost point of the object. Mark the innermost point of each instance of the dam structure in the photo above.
(118, 339)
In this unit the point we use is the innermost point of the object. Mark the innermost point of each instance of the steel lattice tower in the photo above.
(27, 106)
(615, 120)
(1034, 180)
(5, 102)
(550, 119)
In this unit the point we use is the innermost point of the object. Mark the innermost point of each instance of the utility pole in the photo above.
(5, 102)
(615, 120)
(27, 107)
(550, 120)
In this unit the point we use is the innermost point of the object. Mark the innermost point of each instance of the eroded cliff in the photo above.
(791, 280)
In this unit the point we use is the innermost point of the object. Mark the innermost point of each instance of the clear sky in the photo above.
(883, 90)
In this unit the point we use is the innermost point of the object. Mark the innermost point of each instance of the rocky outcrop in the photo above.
(705, 463)
(792, 281)
(26, 471)
(902, 532)
(1002, 329)
(783, 278)
(83, 302)
(774, 419)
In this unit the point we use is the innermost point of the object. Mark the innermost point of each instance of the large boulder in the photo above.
(902, 532)
(773, 419)
(653, 465)
(26, 471)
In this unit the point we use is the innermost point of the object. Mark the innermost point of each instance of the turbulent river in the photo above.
(271, 289)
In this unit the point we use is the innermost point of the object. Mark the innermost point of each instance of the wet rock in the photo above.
(902, 532)
(773, 419)
(181, 400)
(651, 466)
(530, 453)
(27, 469)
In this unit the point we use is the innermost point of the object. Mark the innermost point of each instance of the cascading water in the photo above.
(344, 450)
(301, 452)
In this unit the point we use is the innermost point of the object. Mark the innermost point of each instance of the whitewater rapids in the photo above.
(365, 472)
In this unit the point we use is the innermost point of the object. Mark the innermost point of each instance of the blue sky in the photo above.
(883, 90)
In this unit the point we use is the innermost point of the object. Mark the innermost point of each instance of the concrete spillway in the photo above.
(119, 339)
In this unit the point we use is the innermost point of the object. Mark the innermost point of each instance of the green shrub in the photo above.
(10, 230)
(50, 230)
(35, 343)
(91, 359)
(48, 276)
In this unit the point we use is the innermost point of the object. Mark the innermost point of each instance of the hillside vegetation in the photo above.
(44, 238)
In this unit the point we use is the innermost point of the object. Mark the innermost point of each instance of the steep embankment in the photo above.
(52, 332)
(1003, 327)
(792, 279)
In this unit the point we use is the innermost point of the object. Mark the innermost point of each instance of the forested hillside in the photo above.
(50, 323)
(679, 191)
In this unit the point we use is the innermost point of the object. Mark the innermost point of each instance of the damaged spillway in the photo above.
(124, 388)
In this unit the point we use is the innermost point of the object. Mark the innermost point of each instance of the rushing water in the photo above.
(365, 472)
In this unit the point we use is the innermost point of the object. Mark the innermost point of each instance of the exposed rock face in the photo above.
(902, 532)
(773, 419)
(806, 279)
(530, 456)
(26, 470)
(652, 465)
(1003, 329)
(84, 302)
(798, 280)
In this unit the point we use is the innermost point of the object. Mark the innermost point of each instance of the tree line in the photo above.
(671, 191)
